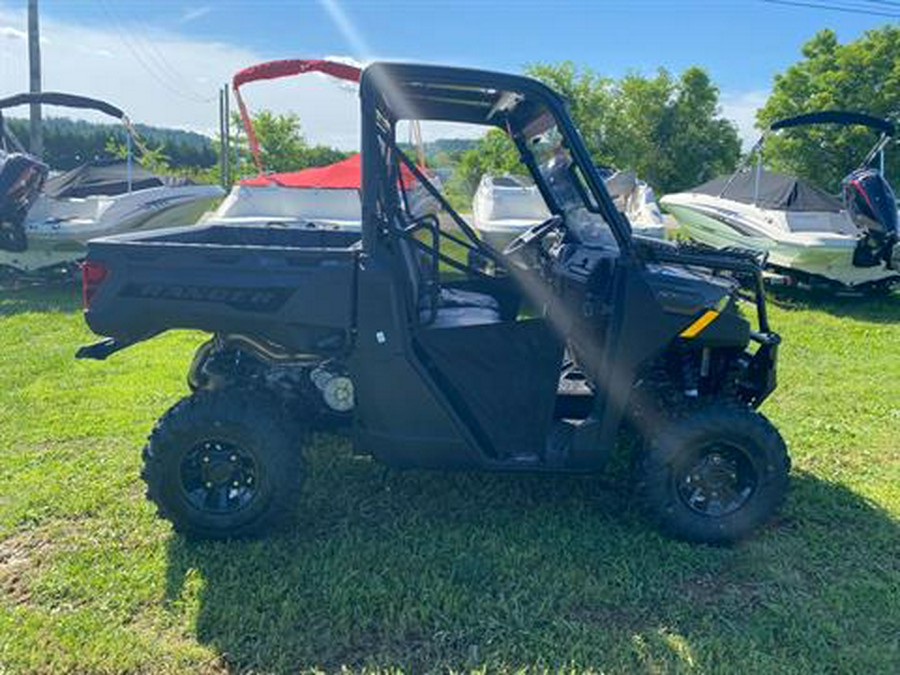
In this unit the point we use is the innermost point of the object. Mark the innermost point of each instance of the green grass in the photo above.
(424, 571)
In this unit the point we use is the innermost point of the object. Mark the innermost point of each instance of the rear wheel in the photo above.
(713, 475)
(223, 464)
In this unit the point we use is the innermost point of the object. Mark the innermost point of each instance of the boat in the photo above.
(47, 221)
(637, 200)
(810, 238)
(322, 197)
(325, 197)
(506, 205)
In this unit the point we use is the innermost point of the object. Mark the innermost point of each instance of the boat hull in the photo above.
(55, 241)
(820, 255)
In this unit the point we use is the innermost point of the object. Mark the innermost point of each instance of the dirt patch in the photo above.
(717, 590)
(20, 555)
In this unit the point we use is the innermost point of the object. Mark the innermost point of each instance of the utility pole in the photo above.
(225, 137)
(36, 140)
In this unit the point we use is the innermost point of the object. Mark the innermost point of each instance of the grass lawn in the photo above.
(423, 571)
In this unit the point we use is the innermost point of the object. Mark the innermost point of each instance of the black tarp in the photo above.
(105, 177)
(776, 191)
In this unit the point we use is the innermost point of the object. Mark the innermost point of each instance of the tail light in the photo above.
(93, 274)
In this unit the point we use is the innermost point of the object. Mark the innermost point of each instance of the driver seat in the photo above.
(439, 306)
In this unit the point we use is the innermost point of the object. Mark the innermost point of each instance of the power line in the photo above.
(166, 67)
(134, 48)
(850, 9)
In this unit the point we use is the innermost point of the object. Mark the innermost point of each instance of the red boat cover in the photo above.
(343, 175)
(287, 67)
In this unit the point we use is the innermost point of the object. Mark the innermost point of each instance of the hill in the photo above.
(68, 142)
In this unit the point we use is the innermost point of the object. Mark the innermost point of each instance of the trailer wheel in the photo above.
(224, 464)
(713, 475)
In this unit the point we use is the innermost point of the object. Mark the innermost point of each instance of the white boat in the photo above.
(505, 206)
(810, 237)
(637, 201)
(326, 197)
(50, 226)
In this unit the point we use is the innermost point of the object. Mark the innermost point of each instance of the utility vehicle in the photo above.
(586, 331)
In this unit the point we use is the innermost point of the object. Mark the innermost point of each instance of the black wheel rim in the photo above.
(219, 477)
(719, 480)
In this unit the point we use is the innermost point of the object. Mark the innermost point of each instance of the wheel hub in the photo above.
(718, 482)
(218, 477)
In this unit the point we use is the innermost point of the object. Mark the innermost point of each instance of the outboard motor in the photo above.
(873, 207)
(21, 180)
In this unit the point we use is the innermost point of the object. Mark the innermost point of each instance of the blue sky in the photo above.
(742, 43)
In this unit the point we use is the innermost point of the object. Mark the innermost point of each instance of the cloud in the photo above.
(12, 33)
(165, 78)
(740, 108)
(194, 13)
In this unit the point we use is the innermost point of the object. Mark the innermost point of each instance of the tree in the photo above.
(154, 159)
(863, 76)
(666, 129)
(283, 146)
(495, 153)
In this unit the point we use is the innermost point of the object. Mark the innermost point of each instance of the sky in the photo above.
(163, 60)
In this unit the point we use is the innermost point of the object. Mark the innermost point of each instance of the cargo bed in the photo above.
(293, 287)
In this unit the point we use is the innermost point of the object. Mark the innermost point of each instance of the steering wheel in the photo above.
(532, 235)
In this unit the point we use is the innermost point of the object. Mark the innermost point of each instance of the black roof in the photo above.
(426, 92)
(776, 191)
(104, 177)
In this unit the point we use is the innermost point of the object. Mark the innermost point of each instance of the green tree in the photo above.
(283, 147)
(667, 129)
(862, 76)
(153, 159)
(494, 153)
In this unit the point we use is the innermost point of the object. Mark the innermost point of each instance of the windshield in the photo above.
(564, 179)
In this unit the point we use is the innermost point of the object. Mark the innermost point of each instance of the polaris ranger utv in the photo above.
(584, 330)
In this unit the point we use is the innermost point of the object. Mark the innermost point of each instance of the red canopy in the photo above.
(271, 70)
(287, 67)
(343, 175)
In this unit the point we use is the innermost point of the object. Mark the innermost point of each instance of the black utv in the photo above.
(578, 331)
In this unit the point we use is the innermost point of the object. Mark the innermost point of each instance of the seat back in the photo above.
(418, 274)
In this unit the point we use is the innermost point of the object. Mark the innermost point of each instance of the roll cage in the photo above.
(392, 93)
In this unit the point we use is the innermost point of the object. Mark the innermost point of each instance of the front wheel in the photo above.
(223, 464)
(713, 475)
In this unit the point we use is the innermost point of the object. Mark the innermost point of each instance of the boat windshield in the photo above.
(564, 179)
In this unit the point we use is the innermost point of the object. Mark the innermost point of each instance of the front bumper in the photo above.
(759, 369)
